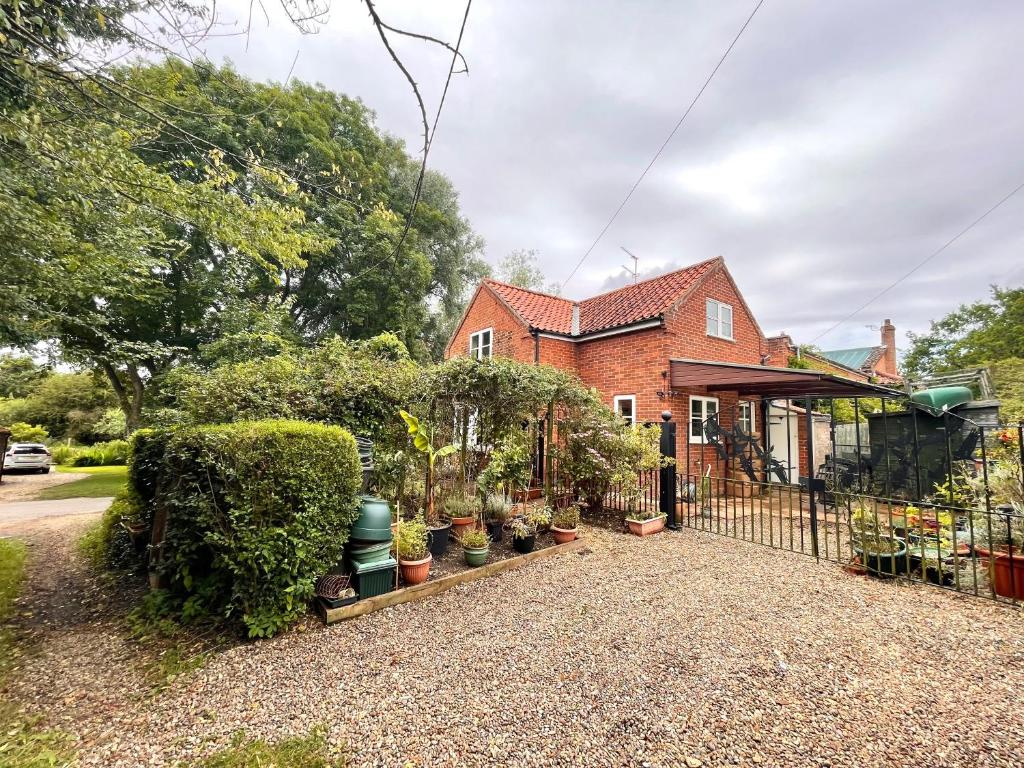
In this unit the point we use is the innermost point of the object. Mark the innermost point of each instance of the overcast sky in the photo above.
(839, 144)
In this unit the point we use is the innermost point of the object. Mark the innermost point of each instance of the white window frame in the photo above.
(748, 422)
(477, 353)
(631, 399)
(703, 400)
(713, 314)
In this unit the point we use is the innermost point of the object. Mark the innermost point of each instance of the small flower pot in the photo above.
(476, 557)
(415, 571)
(139, 535)
(646, 527)
(525, 544)
(437, 539)
(460, 525)
(563, 535)
(494, 528)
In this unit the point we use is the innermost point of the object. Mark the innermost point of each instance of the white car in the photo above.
(32, 457)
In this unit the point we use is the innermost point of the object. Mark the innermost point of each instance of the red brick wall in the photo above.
(511, 337)
(559, 353)
(687, 326)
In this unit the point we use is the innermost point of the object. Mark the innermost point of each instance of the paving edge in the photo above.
(431, 588)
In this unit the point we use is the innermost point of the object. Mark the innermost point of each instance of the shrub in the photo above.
(146, 450)
(114, 452)
(475, 539)
(106, 544)
(462, 506)
(258, 510)
(27, 433)
(497, 507)
(411, 543)
(63, 454)
(600, 451)
(567, 518)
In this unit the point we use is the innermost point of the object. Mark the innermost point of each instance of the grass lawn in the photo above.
(102, 481)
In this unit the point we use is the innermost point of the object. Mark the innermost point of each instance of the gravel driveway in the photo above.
(17, 486)
(682, 649)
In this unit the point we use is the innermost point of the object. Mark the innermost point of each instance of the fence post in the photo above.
(809, 417)
(667, 481)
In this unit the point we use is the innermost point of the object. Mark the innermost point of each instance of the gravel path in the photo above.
(681, 649)
(17, 486)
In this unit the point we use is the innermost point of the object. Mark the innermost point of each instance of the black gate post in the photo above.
(667, 481)
(4, 436)
(809, 416)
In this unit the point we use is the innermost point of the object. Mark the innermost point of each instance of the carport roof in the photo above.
(768, 382)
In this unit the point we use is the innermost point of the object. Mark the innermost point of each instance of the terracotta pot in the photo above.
(646, 527)
(563, 535)
(460, 525)
(415, 571)
(1005, 583)
(394, 530)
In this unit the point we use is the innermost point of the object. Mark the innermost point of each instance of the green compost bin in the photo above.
(372, 579)
(939, 398)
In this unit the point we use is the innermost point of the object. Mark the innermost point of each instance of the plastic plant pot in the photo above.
(415, 571)
(525, 544)
(437, 539)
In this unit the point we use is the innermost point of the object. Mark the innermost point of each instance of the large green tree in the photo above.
(985, 333)
(357, 187)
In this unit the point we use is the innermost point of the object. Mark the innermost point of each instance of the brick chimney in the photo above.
(779, 350)
(888, 361)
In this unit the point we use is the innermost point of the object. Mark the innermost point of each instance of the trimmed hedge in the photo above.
(256, 511)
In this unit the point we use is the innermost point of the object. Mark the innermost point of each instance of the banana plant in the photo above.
(423, 440)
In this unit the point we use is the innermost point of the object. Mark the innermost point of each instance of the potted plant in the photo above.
(496, 510)
(539, 518)
(462, 512)
(564, 524)
(476, 546)
(423, 439)
(413, 556)
(998, 535)
(880, 551)
(645, 522)
(524, 535)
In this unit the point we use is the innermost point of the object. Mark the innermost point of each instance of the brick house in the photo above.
(637, 345)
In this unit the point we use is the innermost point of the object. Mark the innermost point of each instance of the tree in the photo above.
(97, 252)
(19, 374)
(972, 335)
(985, 333)
(356, 186)
(520, 268)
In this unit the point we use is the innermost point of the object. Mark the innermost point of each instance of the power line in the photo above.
(920, 264)
(456, 55)
(664, 144)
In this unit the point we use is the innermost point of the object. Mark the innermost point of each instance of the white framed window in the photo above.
(481, 344)
(747, 417)
(719, 319)
(625, 406)
(701, 408)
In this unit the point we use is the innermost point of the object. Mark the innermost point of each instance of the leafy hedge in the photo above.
(256, 512)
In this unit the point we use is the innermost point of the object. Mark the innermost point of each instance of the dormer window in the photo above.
(480, 344)
(719, 319)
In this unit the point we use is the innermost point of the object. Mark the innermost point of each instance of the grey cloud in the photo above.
(839, 145)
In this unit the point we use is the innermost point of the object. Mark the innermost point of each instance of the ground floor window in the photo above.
(747, 419)
(701, 408)
(625, 406)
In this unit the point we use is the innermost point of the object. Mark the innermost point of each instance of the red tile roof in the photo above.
(539, 310)
(640, 301)
(624, 306)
